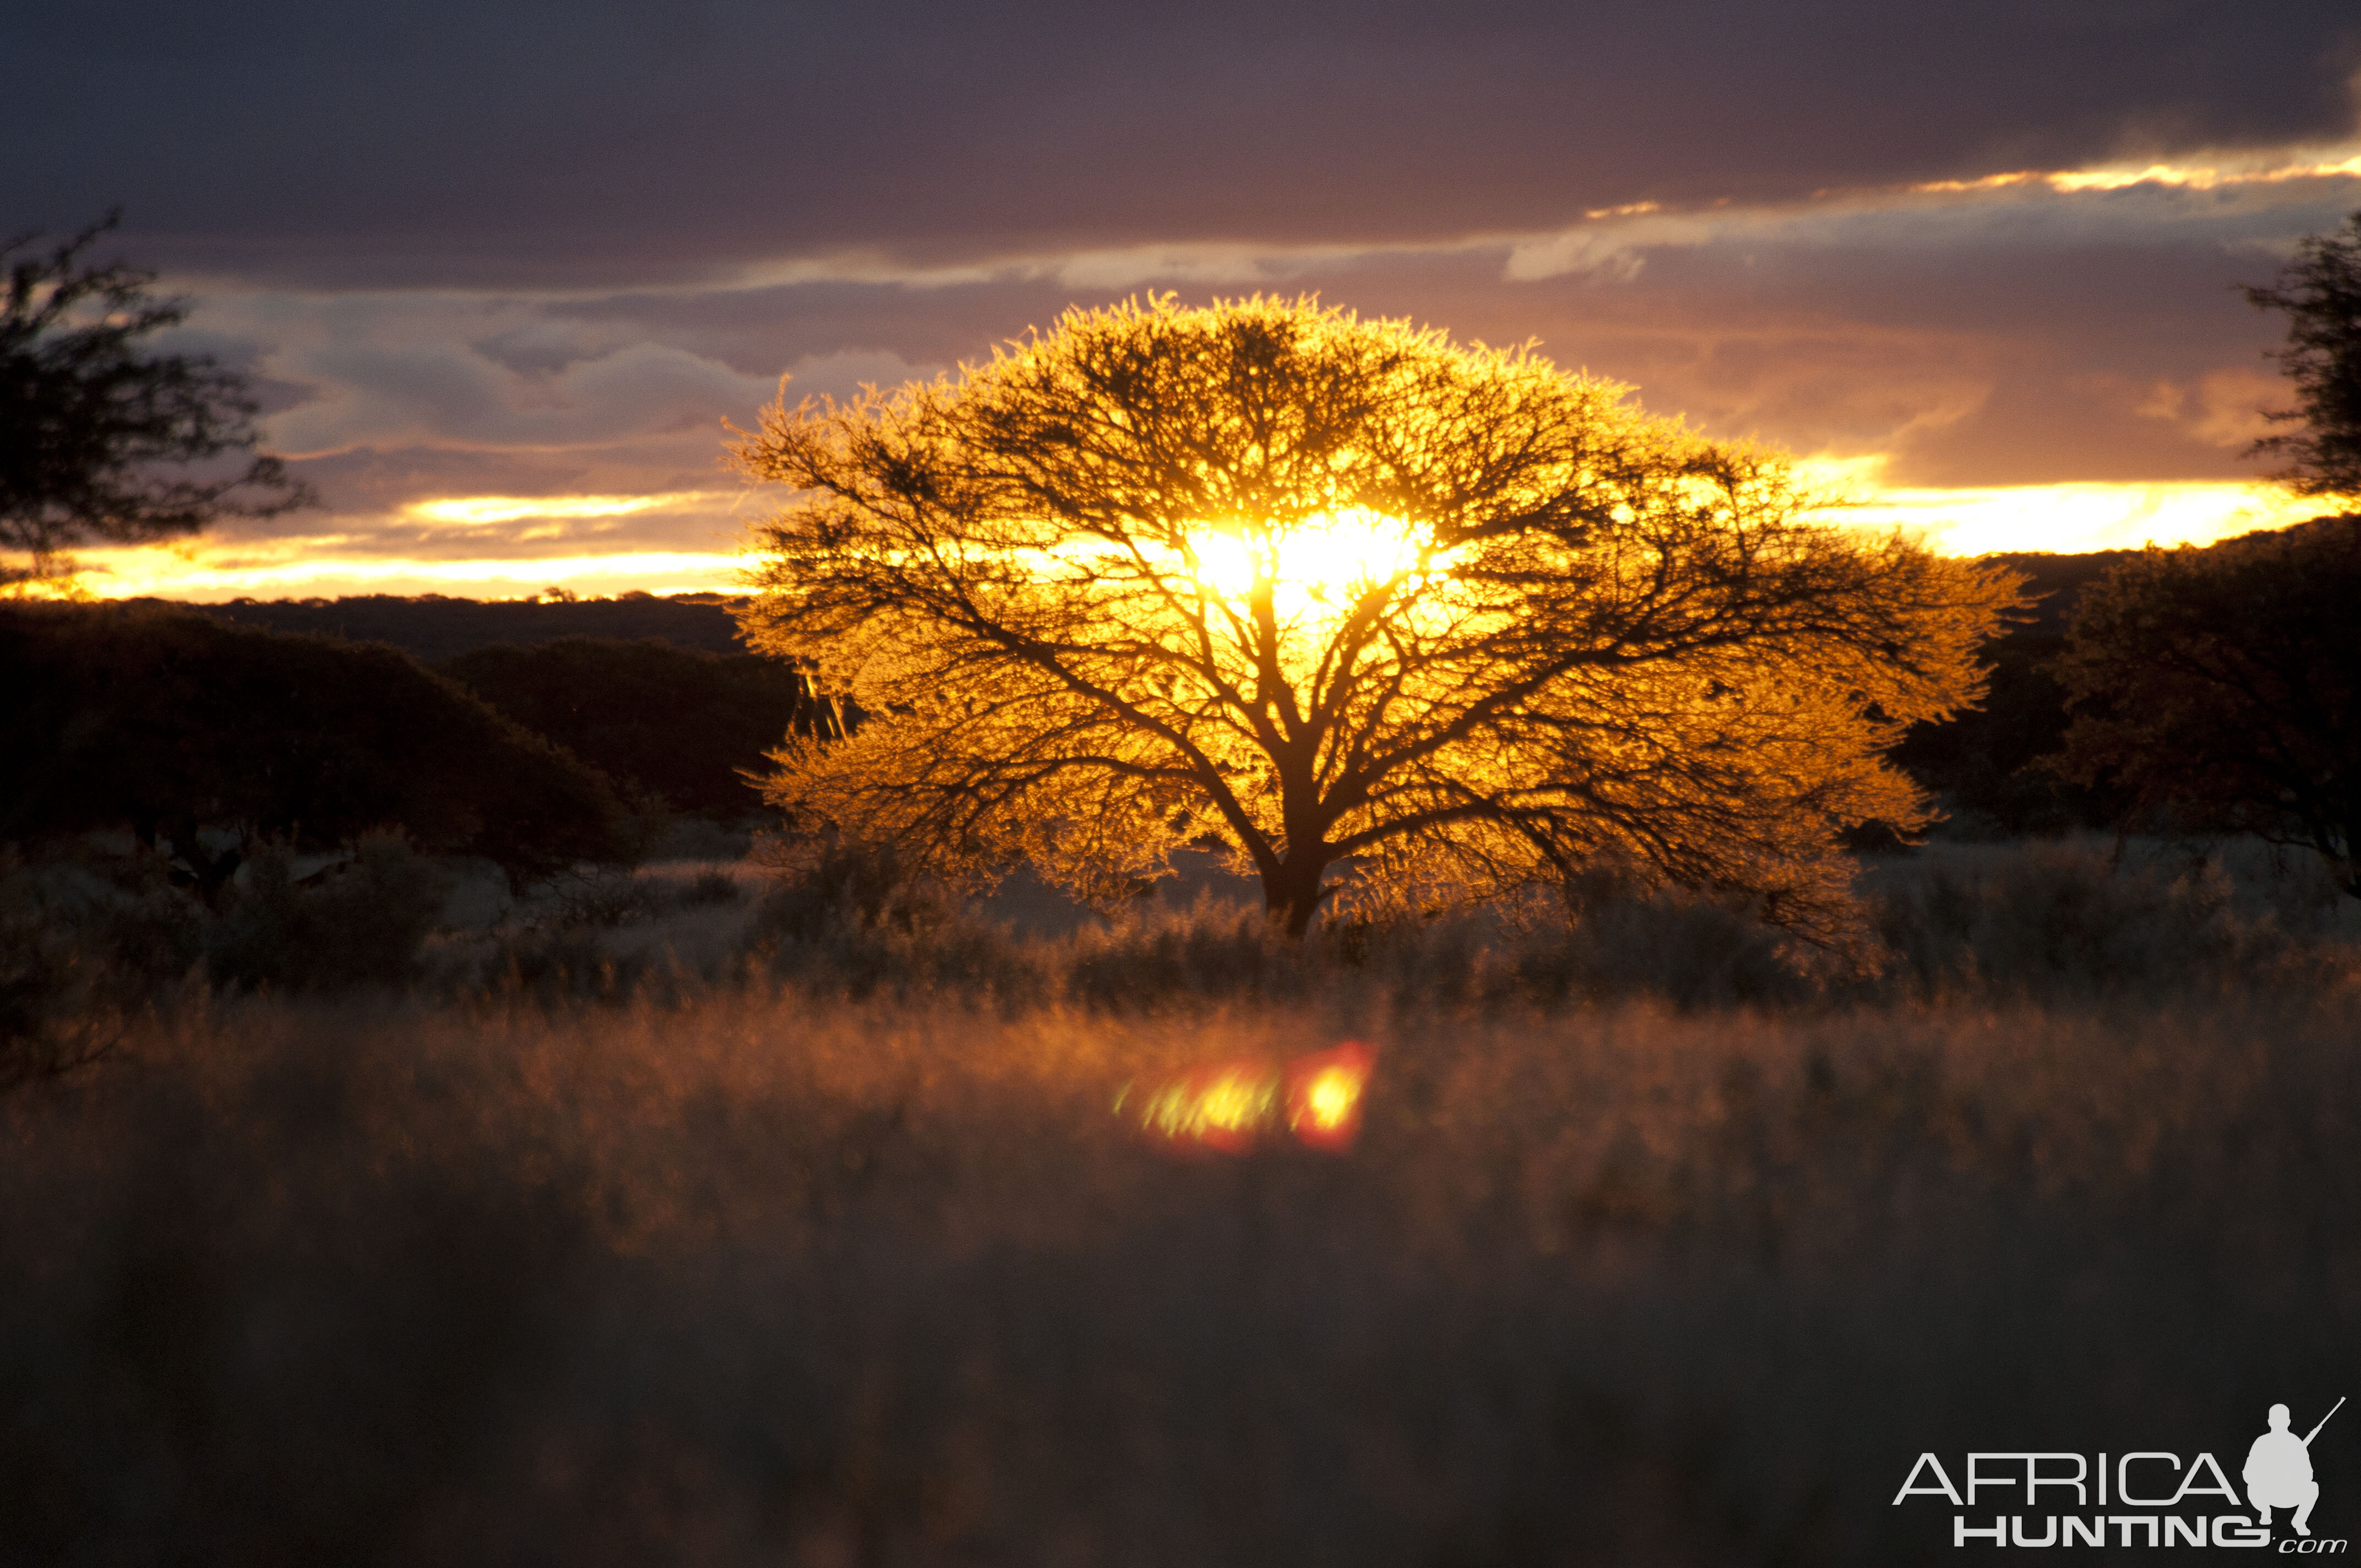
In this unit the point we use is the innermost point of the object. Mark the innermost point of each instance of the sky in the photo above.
(501, 270)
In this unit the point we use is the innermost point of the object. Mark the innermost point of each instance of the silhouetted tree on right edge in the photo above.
(2218, 685)
(2320, 292)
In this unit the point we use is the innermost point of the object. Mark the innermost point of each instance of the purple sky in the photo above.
(541, 251)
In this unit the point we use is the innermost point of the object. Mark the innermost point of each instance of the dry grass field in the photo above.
(677, 1220)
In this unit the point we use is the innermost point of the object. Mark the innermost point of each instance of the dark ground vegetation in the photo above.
(382, 1206)
(712, 1215)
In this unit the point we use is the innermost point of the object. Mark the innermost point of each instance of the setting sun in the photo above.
(1324, 554)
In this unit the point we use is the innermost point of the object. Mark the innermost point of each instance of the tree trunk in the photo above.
(1290, 895)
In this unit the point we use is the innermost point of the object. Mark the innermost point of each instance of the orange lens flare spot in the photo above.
(1323, 1095)
(1225, 1107)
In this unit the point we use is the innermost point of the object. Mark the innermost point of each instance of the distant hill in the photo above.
(2057, 581)
(432, 628)
(1979, 763)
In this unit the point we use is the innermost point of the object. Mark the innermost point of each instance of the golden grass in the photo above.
(755, 1275)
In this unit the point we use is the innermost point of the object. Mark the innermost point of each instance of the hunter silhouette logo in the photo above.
(2279, 1471)
(2143, 1497)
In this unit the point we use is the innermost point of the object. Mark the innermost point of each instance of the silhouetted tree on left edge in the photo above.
(98, 434)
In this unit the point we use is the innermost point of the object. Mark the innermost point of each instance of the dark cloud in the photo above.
(2024, 339)
(763, 331)
(2019, 338)
(534, 143)
(533, 250)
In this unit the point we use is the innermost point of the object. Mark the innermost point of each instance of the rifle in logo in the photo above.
(2279, 1471)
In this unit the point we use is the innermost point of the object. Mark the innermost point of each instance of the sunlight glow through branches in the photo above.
(1327, 590)
(1328, 557)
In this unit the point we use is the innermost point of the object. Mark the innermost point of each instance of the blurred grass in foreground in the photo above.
(817, 1241)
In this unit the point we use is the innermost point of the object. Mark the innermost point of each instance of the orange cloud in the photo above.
(2222, 407)
(2071, 519)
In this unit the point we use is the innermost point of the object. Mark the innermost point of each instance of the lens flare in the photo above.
(1323, 1095)
(1219, 1108)
(1225, 1107)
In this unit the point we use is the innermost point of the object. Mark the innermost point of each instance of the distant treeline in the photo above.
(1983, 764)
(681, 725)
(538, 734)
(207, 737)
(610, 710)
(434, 627)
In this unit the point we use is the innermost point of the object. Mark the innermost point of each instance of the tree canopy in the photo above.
(2221, 687)
(97, 433)
(1329, 590)
(2320, 292)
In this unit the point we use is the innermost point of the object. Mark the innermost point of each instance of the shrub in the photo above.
(2057, 920)
(362, 923)
(84, 941)
(1147, 959)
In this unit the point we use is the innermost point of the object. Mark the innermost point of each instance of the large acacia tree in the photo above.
(1332, 590)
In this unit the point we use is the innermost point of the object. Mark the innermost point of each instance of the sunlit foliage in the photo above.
(1331, 591)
